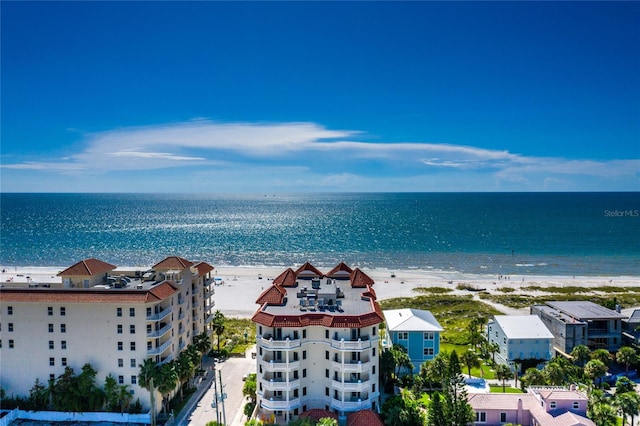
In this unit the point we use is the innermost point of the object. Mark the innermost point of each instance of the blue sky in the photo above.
(332, 96)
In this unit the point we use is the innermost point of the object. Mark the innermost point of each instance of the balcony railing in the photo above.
(351, 345)
(163, 347)
(279, 403)
(160, 315)
(280, 384)
(351, 367)
(161, 332)
(274, 366)
(272, 344)
(351, 404)
(357, 386)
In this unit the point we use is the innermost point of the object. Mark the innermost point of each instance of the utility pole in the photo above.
(222, 398)
(215, 396)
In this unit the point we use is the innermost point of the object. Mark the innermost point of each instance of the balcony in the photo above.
(351, 404)
(279, 384)
(351, 345)
(275, 366)
(163, 347)
(160, 315)
(352, 386)
(161, 332)
(268, 342)
(209, 319)
(352, 367)
(279, 403)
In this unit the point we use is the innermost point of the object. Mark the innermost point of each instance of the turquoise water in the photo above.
(493, 233)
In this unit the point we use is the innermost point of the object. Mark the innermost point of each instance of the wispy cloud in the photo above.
(319, 156)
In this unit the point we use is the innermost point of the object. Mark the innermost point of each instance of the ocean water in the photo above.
(480, 233)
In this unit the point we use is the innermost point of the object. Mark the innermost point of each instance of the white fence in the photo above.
(57, 416)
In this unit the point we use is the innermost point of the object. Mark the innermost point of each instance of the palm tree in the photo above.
(202, 343)
(218, 326)
(629, 404)
(532, 376)
(595, 369)
(149, 372)
(602, 355)
(580, 355)
(124, 397)
(554, 373)
(470, 360)
(626, 355)
(503, 373)
(184, 369)
(167, 381)
(493, 348)
(110, 392)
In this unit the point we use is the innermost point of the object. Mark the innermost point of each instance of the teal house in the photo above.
(415, 329)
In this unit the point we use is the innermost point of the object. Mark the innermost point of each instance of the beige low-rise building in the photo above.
(45, 330)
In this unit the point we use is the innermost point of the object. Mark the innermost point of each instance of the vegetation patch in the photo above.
(432, 290)
(519, 301)
(505, 289)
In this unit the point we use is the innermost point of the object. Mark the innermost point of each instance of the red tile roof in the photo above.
(316, 414)
(319, 319)
(286, 279)
(46, 295)
(309, 269)
(273, 295)
(364, 418)
(173, 262)
(360, 279)
(203, 268)
(341, 267)
(87, 268)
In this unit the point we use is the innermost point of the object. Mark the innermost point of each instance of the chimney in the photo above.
(519, 413)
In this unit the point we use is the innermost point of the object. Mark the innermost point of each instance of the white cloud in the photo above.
(320, 157)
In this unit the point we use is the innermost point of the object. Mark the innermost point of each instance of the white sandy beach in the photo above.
(239, 287)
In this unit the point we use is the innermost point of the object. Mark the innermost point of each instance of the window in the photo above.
(427, 351)
(133, 363)
(295, 374)
(295, 393)
(121, 379)
(304, 334)
(373, 369)
(119, 328)
(64, 362)
(326, 334)
(119, 312)
(552, 405)
(373, 352)
(326, 391)
(52, 376)
(119, 346)
(134, 379)
(50, 328)
(132, 345)
(503, 417)
(132, 329)
(9, 310)
(10, 343)
(428, 335)
(10, 326)
(63, 311)
(304, 391)
(373, 331)
(149, 345)
(148, 312)
(576, 405)
(373, 388)
(120, 362)
(326, 354)
(63, 328)
(132, 312)
(63, 344)
(52, 362)
(50, 311)
(51, 344)
(403, 335)
(326, 372)
(304, 354)
(304, 372)
(481, 417)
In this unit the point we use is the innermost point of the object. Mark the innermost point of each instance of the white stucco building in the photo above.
(86, 320)
(317, 343)
(520, 337)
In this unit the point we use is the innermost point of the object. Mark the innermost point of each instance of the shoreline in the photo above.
(240, 286)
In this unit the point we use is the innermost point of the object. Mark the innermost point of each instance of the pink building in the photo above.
(540, 406)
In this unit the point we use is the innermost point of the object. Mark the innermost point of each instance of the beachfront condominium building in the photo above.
(574, 323)
(519, 338)
(416, 330)
(317, 343)
(112, 322)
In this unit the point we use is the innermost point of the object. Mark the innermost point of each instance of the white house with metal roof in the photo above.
(415, 329)
(520, 337)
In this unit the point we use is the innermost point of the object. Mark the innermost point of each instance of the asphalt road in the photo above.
(232, 371)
